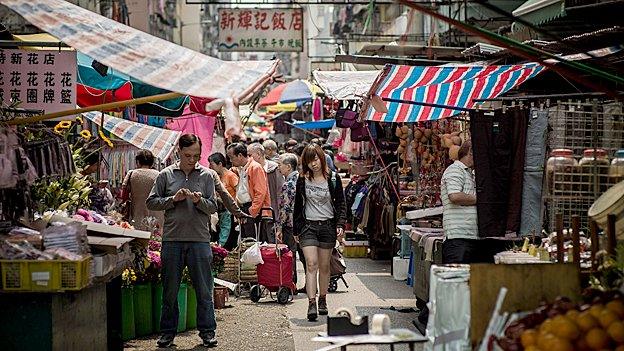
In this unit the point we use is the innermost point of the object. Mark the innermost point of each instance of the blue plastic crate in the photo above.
(406, 244)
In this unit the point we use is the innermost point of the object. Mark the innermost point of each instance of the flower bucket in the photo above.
(143, 309)
(191, 308)
(157, 294)
(220, 296)
(182, 307)
(127, 314)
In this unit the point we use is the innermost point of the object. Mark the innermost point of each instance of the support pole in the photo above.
(559, 225)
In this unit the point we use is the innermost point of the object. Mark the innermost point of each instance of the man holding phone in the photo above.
(185, 191)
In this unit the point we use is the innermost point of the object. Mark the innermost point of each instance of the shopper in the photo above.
(270, 150)
(230, 181)
(185, 191)
(319, 219)
(274, 177)
(284, 224)
(252, 192)
(459, 198)
(136, 187)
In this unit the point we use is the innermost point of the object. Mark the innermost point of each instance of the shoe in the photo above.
(322, 305)
(209, 340)
(302, 290)
(166, 340)
(312, 313)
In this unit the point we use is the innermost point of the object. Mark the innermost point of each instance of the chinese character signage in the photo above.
(43, 80)
(260, 30)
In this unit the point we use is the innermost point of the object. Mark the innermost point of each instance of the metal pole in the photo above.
(593, 232)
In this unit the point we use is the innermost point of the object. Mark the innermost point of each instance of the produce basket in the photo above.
(232, 264)
(44, 276)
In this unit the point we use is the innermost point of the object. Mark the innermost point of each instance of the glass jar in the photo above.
(616, 170)
(594, 158)
(560, 161)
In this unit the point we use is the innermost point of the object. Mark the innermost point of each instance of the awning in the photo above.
(142, 56)
(455, 86)
(160, 142)
(322, 124)
(540, 11)
(345, 85)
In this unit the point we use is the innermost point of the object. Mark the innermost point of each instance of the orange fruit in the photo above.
(545, 341)
(572, 314)
(597, 339)
(565, 328)
(559, 344)
(607, 317)
(586, 321)
(616, 332)
(616, 306)
(529, 338)
(596, 309)
(581, 345)
(531, 348)
(547, 326)
(620, 348)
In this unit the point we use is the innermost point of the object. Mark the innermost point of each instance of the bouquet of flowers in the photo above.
(218, 258)
(128, 277)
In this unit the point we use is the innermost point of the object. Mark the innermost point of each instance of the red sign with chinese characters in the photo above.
(260, 29)
(40, 79)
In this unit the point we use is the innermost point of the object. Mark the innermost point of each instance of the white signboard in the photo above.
(40, 79)
(261, 30)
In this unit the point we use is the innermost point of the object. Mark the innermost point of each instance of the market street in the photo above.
(272, 326)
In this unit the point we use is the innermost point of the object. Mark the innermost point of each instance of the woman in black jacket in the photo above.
(320, 216)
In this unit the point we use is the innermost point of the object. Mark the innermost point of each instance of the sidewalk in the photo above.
(371, 288)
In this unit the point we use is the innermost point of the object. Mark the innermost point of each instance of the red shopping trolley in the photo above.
(275, 274)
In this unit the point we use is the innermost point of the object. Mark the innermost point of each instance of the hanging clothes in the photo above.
(531, 219)
(498, 145)
(200, 125)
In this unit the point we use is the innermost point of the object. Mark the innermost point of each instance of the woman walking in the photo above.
(320, 216)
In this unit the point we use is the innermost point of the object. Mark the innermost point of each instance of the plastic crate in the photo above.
(32, 275)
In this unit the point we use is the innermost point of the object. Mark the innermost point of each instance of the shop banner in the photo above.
(142, 56)
(40, 79)
(261, 30)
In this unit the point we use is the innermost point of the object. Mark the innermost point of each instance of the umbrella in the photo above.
(289, 96)
(95, 89)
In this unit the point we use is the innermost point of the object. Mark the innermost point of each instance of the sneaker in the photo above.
(301, 290)
(209, 340)
(166, 340)
(322, 305)
(312, 313)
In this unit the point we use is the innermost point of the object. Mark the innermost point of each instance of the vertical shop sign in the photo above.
(40, 79)
(261, 30)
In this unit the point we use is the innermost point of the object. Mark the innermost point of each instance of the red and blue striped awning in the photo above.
(452, 86)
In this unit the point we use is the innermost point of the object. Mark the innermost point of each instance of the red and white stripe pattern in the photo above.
(455, 86)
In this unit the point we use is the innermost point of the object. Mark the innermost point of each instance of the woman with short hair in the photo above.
(136, 186)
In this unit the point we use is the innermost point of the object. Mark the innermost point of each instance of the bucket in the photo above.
(221, 295)
(191, 308)
(127, 314)
(157, 295)
(182, 307)
(143, 309)
(610, 202)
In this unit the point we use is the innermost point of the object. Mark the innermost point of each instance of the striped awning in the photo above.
(142, 56)
(454, 86)
(160, 142)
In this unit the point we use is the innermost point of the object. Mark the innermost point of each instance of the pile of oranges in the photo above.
(595, 327)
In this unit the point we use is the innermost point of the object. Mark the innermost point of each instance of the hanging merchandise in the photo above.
(498, 145)
(51, 156)
(200, 125)
(317, 109)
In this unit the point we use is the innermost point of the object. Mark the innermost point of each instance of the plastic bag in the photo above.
(252, 255)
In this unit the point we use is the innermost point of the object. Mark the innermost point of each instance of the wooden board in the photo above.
(528, 284)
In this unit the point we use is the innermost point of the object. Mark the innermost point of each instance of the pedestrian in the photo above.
(136, 187)
(274, 177)
(270, 150)
(252, 192)
(230, 181)
(185, 191)
(284, 224)
(319, 220)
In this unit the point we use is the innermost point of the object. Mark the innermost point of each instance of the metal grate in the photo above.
(580, 125)
(69, 275)
(12, 275)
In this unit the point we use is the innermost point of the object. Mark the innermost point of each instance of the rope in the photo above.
(383, 164)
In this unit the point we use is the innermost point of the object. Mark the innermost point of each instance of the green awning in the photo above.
(540, 11)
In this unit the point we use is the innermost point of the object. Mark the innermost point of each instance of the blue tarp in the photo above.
(322, 124)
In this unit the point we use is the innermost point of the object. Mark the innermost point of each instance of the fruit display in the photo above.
(564, 326)
(427, 149)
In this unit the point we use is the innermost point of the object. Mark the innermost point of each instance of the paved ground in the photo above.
(270, 326)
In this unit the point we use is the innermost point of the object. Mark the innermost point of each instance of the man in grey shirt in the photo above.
(185, 191)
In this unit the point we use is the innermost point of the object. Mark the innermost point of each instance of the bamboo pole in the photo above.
(576, 240)
(593, 231)
(559, 227)
(107, 106)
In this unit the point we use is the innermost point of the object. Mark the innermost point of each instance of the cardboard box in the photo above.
(104, 264)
